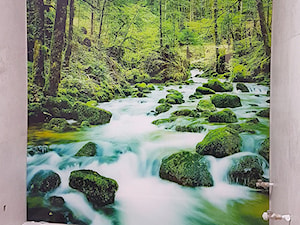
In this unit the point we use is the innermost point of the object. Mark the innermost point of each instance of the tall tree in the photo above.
(38, 55)
(70, 35)
(217, 42)
(57, 47)
(263, 26)
(160, 25)
(101, 18)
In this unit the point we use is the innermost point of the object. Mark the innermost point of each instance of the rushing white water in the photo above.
(130, 149)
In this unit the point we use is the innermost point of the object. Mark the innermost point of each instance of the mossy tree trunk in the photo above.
(263, 26)
(38, 55)
(57, 46)
(160, 25)
(70, 35)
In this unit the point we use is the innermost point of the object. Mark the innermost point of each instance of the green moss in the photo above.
(264, 113)
(220, 142)
(99, 190)
(185, 112)
(205, 91)
(163, 108)
(206, 106)
(58, 125)
(175, 97)
(264, 150)
(187, 169)
(218, 86)
(224, 116)
(242, 87)
(226, 101)
(89, 149)
(93, 115)
(246, 171)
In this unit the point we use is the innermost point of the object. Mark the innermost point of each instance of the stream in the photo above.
(130, 149)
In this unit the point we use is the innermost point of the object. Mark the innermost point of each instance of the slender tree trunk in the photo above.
(38, 55)
(101, 19)
(217, 42)
(160, 25)
(263, 26)
(57, 47)
(70, 35)
(92, 19)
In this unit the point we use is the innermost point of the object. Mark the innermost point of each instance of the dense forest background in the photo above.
(97, 50)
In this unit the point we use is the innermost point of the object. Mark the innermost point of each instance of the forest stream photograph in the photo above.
(148, 112)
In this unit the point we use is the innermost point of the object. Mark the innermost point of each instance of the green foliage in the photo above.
(58, 125)
(226, 100)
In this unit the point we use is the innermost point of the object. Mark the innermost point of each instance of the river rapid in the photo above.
(130, 149)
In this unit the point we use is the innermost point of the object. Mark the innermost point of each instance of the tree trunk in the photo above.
(101, 19)
(57, 47)
(263, 26)
(160, 25)
(38, 55)
(92, 19)
(217, 42)
(70, 35)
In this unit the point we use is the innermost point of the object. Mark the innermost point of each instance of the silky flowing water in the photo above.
(130, 150)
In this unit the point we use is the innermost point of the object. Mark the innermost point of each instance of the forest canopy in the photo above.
(83, 50)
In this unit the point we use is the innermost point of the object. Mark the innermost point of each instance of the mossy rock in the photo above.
(58, 125)
(187, 169)
(59, 107)
(57, 201)
(193, 128)
(44, 181)
(226, 101)
(218, 86)
(143, 87)
(264, 150)
(195, 96)
(93, 115)
(242, 87)
(40, 149)
(220, 142)
(224, 116)
(165, 120)
(206, 106)
(163, 108)
(99, 190)
(264, 113)
(175, 97)
(88, 150)
(246, 171)
(205, 91)
(185, 112)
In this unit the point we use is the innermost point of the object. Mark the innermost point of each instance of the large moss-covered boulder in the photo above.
(205, 106)
(242, 87)
(220, 142)
(264, 149)
(99, 190)
(37, 113)
(174, 97)
(44, 181)
(91, 114)
(218, 86)
(246, 170)
(205, 91)
(58, 125)
(226, 101)
(187, 169)
(163, 108)
(224, 116)
(264, 113)
(89, 149)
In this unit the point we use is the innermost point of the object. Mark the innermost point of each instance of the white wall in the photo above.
(12, 112)
(285, 113)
